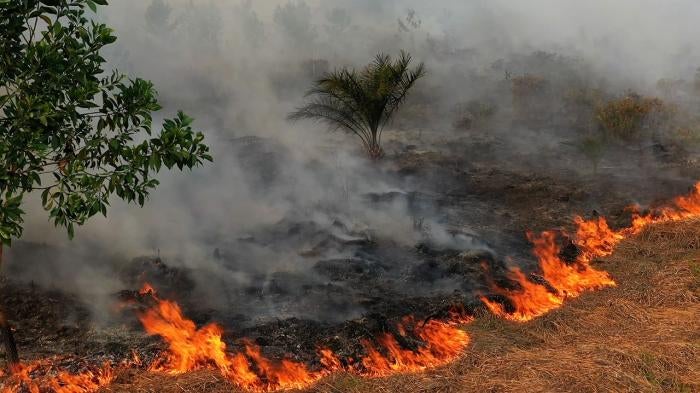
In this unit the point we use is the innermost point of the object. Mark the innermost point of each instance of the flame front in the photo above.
(682, 208)
(191, 348)
(23, 379)
(594, 239)
(444, 342)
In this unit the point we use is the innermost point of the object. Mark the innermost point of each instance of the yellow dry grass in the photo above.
(642, 336)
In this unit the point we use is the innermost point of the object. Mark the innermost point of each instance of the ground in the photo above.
(642, 336)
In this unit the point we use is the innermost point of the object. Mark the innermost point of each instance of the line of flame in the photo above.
(58, 382)
(192, 348)
(594, 239)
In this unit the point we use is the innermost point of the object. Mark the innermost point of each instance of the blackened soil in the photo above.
(374, 284)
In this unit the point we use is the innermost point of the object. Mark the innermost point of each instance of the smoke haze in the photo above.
(239, 67)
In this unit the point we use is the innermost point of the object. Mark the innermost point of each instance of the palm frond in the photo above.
(361, 102)
(334, 115)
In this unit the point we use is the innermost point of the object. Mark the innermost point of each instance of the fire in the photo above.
(329, 360)
(191, 348)
(147, 289)
(38, 376)
(529, 301)
(594, 239)
(682, 208)
(568, 280)
(445, 341)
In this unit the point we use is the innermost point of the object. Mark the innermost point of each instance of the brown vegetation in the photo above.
(625, 117)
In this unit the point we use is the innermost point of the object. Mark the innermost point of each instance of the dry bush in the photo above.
(626, 117)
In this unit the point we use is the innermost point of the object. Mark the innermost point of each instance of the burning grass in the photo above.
(594, 239)
(604, 328)
(191, 349)
(641, 336)
(47, 374)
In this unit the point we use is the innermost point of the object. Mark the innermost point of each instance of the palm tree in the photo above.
(362, 102)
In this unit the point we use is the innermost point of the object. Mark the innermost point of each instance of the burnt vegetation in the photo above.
(458, 240)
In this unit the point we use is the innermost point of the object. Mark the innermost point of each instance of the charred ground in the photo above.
(363, 292)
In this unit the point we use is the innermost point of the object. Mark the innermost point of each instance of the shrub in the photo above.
(625, 118)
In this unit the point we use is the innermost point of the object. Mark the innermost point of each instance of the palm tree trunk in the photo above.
(6, 331)
(374, 149)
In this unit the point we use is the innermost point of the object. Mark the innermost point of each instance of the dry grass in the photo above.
(642, 336)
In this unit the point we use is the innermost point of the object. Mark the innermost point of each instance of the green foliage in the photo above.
(362, 102)
(70, 130)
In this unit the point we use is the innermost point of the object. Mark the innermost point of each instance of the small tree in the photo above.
(362, 102)
(70, 131)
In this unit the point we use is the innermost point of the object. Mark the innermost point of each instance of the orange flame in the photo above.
(191, 348)
(594, 239)
(532, 300)
(22, 379)
(444, 342)
(147, 289)
(682, 208)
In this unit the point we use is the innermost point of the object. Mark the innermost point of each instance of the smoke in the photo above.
(239, 67)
